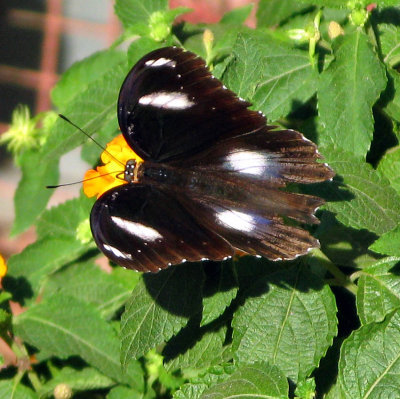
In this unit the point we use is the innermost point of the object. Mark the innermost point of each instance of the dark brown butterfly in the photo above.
(212, 173)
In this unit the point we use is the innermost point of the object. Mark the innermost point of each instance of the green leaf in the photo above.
(390, 99)
(86, 282)
(27, 270)
(10, 390)
(212, 376)
(132, 11)
(63, 220)
(347, 90)
(343, 245)
(238, 15)
(349, 4)
(388, 243)
(64, 326)
(378, 291)
(126, 277)
(91, 151)
(78, 380)
(196, 349)
(360, 196)
(190, 391)
(77, 78)
(258, 380)
(270, 74)
(122, 392)
(141, 47)
(159, 307)
(306, 389)
(389, 166)
(369, 361)
(90, 110)
(289, 318)
(335, 393)
(219, 291)
(4, 318)
(389, 38)
(275, 12)
(32, 195)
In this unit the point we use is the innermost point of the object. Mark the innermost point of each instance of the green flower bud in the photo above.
(22, 134)
(159, 26)
(359, 17)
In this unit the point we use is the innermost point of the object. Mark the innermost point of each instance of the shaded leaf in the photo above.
(219, 290)
(204, 348)
(343, 245)
(159, 307)
(359, 196)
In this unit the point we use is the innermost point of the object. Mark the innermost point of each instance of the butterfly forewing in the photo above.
(170, 106)
(141, 227)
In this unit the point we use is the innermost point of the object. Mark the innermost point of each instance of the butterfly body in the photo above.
(212, 173)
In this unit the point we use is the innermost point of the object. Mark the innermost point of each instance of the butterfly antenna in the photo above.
(91, 138)
(82, 181)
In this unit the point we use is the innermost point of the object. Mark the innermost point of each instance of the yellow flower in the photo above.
(3, 267)
(109, 175)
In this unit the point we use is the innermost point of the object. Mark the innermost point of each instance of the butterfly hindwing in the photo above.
(248, 230)
(141, 227)
(170, 107)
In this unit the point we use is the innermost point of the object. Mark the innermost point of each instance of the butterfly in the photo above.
(211, 176)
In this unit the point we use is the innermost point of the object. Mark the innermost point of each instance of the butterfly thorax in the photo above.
(131, 171)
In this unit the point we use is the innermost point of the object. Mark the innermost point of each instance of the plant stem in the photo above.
(341, 279)
(34, 379)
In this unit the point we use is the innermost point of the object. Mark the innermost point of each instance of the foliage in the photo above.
(327, 324)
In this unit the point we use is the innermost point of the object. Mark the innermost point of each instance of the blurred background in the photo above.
(39, 40)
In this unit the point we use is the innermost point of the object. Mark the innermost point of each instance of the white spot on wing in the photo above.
(160, 62)
(137, 229)
(249, 162)
(116, 252)
(168, 100)
(237, 220)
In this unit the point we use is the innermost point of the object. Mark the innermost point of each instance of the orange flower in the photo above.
(3, 267)
(109, 175)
